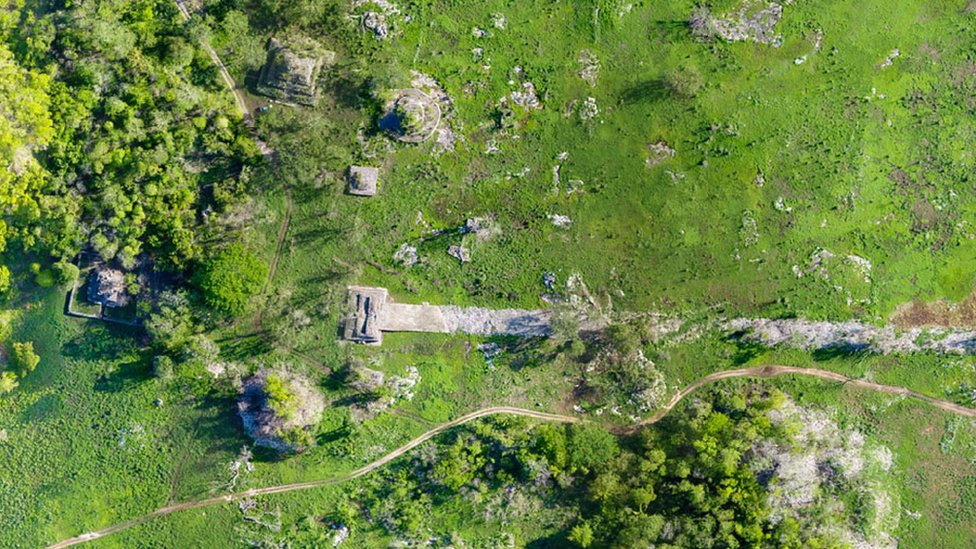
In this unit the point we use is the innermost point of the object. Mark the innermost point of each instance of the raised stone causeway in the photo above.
(372, 312)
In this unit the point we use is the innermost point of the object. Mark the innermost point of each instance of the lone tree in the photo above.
(229, 278)
(24, 358)
(278, 407)
(685, 82)
(8, 382)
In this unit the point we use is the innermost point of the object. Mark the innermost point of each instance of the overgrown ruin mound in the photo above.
(278, 407)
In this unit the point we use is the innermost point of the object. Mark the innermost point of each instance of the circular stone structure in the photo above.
(412, 117)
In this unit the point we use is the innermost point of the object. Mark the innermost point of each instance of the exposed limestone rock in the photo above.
(755, 21)
(658, 152)
(589, 67)
(406, 255)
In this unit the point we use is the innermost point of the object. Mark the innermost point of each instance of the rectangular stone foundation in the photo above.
(373, 312)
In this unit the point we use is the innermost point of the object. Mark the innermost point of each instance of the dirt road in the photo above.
(768, 371)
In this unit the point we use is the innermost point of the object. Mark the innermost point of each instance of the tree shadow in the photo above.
(338, 379)
(553, 541)
(243, 347)
(101, 341)
(262, 454)
(125, 377)
(334, 435)
(746, 351)
(45, 408)
(348, 93)
(670, 31)
(352, 400)
(526, 352)
(646, 91)
(327, 233)
(221, 423)
(842, 350)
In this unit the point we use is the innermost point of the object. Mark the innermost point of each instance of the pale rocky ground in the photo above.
(853, 335)
(820, 455)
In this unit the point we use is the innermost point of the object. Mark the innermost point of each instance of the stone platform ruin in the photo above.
(292, 70)
(372, 312)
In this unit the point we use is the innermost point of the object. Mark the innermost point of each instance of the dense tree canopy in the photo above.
(113, 122)
(229, 279)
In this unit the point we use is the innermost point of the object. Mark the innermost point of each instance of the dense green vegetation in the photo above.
(119, 124)
(230, 278)
(623, 161)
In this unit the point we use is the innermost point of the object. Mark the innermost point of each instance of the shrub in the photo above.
(685, 82)
(162, 367)
(4, 279)
(589, 446)
(229, 279)
(24, 359)
(66, 273)
(8, 382)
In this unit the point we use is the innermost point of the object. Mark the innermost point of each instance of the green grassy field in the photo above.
(857, 159)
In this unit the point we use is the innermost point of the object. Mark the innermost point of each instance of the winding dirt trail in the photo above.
(767, 371)
(775, 370)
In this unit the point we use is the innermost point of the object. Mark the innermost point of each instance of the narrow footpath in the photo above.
(224, 73)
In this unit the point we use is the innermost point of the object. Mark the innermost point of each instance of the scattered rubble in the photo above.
(376, 22)
(260, 514)
(658, 152)
(107, 287)
(890, 60)
(490, 351)
(653, 395)
(549, 280)
(589, 109)
(483, 228)
(459, 252)
(402, 387)
(755, 21)
(525, 96)
(749, 230)
(340, 533)
(589, 67)
(132, 437)
(561, 221)
(817, 455)
(406, 255)
(780, 205)
(377, 16)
